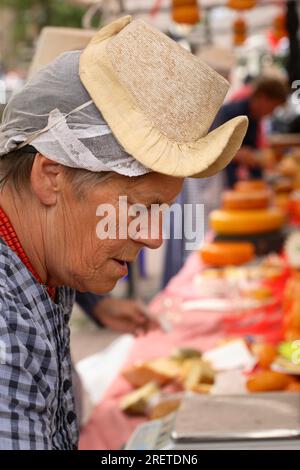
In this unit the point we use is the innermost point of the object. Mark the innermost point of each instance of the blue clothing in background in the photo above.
(87, 302)
(230, 111)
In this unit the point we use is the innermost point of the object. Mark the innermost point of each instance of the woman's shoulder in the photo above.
(14, 276)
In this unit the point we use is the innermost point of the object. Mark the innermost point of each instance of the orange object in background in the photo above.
(241, 4)
(183, 3)
(250, 185)
(239, 31)
(226, 253)
(268, 381)
(265, 354)
(282, 201)
(284, 186)
(279, 26)
(185, 11)
(293, 387)
(291, 308)
(246, 200)
(294, 207)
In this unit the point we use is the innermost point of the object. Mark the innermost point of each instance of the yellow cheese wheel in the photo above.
(227, 253)
(246, 200)
(246, 222)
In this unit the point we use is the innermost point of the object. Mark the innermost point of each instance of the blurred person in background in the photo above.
(257, 100)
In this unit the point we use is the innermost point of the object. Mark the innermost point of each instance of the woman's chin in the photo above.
(104, 280)
(98, 288)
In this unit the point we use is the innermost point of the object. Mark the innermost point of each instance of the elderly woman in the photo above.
(127, 117)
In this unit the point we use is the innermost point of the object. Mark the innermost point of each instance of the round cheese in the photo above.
(227, 253)
(245, 200)
(246, 222)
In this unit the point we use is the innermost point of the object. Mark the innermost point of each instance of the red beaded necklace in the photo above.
(8, 234)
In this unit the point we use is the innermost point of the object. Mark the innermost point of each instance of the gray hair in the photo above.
(15, 169)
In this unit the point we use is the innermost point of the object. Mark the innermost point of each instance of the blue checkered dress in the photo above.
(36, 399)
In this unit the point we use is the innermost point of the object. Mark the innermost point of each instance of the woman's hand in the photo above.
(124, 316)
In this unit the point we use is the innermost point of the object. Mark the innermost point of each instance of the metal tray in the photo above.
(255, 416)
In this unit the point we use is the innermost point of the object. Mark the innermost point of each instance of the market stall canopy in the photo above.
(56, 40)
(217, 25)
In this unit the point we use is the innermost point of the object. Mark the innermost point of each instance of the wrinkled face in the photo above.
(88, 263)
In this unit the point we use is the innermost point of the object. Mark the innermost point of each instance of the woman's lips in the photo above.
(122, 266)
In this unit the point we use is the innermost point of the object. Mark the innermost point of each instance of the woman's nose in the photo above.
(149, 232)
(150, 238)
(152, 242)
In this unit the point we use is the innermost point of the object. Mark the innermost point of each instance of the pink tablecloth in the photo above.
(108, 427)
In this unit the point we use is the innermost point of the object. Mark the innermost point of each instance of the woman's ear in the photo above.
(45, 179)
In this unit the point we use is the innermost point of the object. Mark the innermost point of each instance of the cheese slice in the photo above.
(160, 371)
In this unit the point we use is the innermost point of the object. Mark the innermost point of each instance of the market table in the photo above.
(109, 427)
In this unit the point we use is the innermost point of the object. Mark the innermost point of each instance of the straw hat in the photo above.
(56, 40)
(159, 100)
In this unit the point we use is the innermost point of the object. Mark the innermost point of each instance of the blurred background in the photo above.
(206, 303)
(256, 32)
